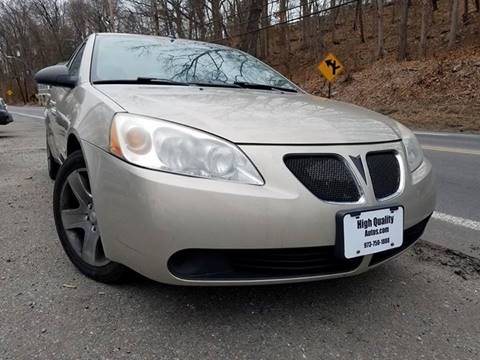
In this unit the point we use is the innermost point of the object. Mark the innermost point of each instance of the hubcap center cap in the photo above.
(92, 216)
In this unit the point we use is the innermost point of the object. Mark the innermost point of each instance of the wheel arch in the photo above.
(73, 144)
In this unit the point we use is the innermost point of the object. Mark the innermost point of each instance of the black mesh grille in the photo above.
(210, 264)
(326, 176)
(384, 172)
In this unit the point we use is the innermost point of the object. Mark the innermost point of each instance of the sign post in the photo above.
(330, 68)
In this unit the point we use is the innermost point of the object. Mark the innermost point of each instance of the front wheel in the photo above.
(76, 222)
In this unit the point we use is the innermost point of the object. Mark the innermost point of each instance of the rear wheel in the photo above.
(76, 222)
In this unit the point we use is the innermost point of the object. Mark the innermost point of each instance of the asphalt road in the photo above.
(456, 163)
(424, 304)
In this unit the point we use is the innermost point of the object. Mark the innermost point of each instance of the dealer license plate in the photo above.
(371, 231)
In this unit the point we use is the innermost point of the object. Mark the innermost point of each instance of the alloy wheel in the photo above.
(79, 218)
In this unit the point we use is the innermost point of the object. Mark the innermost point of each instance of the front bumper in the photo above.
(146, 216)
(5, 119)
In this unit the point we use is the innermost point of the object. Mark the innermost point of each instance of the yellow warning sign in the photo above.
(9, 92)
(330, 67)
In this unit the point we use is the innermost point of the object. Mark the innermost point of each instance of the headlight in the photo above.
(166, 146)
(412, 147)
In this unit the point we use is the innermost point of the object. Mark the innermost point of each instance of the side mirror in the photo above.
(56, 75)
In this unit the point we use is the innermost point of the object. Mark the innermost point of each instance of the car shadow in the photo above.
(236, 301)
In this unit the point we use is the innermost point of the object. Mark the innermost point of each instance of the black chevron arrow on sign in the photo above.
(333, 65)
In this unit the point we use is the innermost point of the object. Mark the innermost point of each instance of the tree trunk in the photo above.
(380, 38)
(112, 15)
(394, 7)
(452, 36)
(465, 11)
(355, 17)
(217, 20)
(283, 18)
(402, 40)
(333, 16)
(305, 5)
(155, 17)
(425, 27)
(265, 23)
(435, 5)
(178, 20)
(199, 7)
(249, 41)
(25, 86)
(21, 91)
(360, 21)
(477, 5)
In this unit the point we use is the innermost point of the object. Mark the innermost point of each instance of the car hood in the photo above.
(256, 116)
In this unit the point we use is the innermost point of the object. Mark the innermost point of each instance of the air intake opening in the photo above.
(385, 173)
(326, 176)
(240, 264)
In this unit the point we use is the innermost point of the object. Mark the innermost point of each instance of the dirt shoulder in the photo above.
(436, 94)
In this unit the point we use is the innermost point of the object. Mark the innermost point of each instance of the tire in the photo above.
(53, 166)
(76, 224)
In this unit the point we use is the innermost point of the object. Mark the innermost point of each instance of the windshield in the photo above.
(2, 104)
(133, 57)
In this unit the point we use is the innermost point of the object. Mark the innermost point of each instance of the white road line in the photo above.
(455, 220)
(446, 134)
(27, 115)
(451, 150)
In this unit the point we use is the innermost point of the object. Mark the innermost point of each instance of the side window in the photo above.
(74, 67)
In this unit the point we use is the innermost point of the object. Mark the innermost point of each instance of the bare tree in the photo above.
(216, 19)
(305, 6)
(333, 20)
(249, 42)
(425, 27)
(394, 7)
(111, 10)
(465, 11)
(402, 40)
(265, 23)
(380, 38)
(452, 36)
(359, 17)
(283, 17)
(199, 13)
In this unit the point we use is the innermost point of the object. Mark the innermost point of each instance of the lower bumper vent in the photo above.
(203, 264)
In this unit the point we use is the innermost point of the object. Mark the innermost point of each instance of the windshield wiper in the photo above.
(142, 80)
(159, 81)
(249, 85)
(214, 84)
